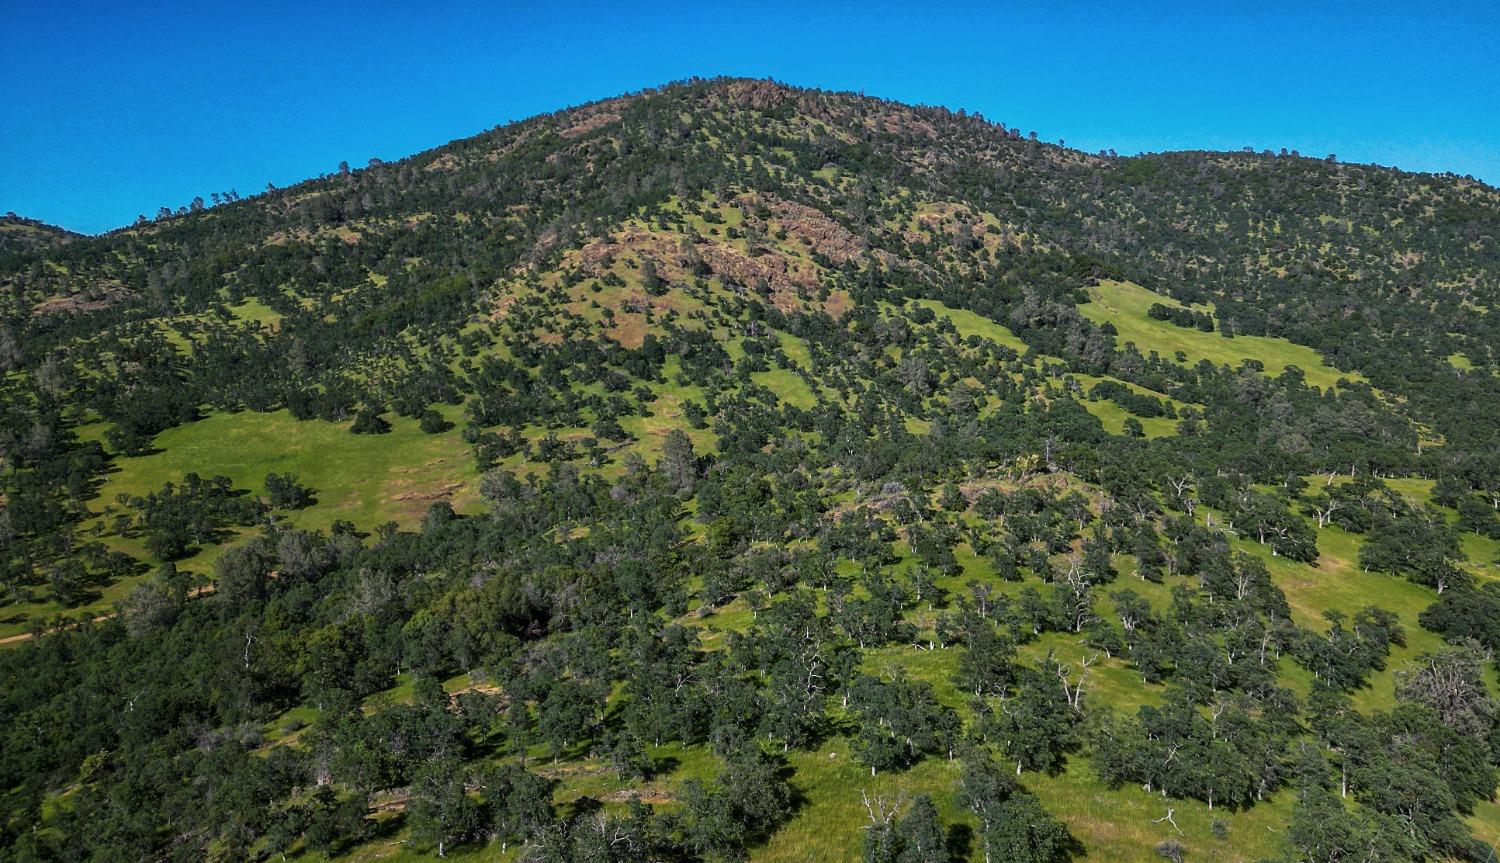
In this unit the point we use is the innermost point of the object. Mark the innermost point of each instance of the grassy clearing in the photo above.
(788, 386)
(973, 324)
(255, 311)
(1113, 417)
(1486, 822)
(364, 479)
(16, 619)
(666, 414)
(1125, 304)
(1114, 824)
(1336, 583)
(795, 350)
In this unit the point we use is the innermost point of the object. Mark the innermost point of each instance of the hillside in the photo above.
(732, 469)
(20, 236)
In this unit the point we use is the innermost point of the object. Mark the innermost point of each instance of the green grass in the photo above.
(788, 386)
(667, 414)
(1337, 583)
(973, 324)
(1486, 822)
(1113, 824)
(364, 479)
(1113, 417)
(795, 350)
(16, 619)
(1125, 304)
(255, 311)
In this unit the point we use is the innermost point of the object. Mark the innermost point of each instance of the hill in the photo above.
(23, 236)
(736, 469)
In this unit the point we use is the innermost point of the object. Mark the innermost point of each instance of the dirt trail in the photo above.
(26, 636)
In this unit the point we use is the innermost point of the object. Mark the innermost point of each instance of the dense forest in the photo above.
(735, 471)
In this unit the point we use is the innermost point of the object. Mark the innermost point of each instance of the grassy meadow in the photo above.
(364, 479)
(1125, 305)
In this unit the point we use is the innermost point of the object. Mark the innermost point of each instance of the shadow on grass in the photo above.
(960, 843)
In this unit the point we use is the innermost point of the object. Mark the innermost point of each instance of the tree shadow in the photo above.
(385, 828)
(960, 842)
(826, 728)
(579, 808)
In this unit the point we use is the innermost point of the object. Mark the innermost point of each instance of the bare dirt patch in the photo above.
(589, 123)
(442, 493)
(811, 226)
(90, 300)
(650, 794)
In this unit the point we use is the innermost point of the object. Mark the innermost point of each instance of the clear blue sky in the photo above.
(112, 109)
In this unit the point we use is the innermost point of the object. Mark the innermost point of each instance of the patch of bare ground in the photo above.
(89, 300)
(663, 248)
(591, 118)
(899, 119)
(1058, 483)
(771, 273)
(445, 162)
(653, 794)
(429, 495)
(629, 330)
(502, 306)
(838, 303)
(789, 281)
(760, 94)
(559, 770)
(394, 800)
(810, 226)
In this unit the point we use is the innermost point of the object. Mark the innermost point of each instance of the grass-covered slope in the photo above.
(1126, 306)
(713, 472)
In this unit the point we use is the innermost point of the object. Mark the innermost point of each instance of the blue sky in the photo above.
(108, 110)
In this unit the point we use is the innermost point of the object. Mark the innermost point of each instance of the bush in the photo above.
(369, 421)
(284, 492)
(432, 422)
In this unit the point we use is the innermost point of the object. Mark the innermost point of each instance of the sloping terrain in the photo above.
(732, 469)
(20, 236)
